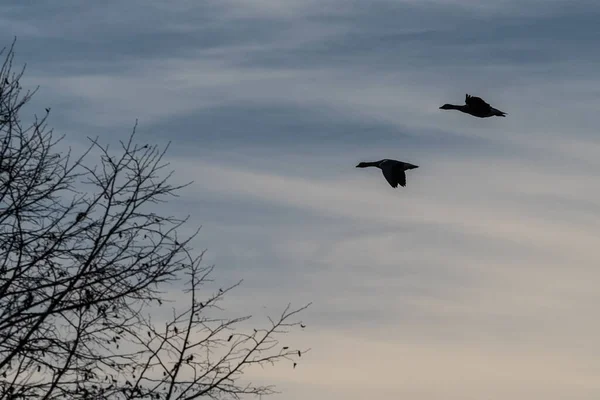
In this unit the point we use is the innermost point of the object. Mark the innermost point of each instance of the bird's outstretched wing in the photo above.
(401, 178)
(498, 113)
(400, 175)
(394, 174)
(388, 173)
(477, 103)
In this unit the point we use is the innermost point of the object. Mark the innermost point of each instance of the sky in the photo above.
(478, 280)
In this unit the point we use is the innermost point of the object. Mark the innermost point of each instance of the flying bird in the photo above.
(476, 107)
(302, 326)
(393, 170)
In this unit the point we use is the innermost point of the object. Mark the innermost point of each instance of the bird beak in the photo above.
(414, 166)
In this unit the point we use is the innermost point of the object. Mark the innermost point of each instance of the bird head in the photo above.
(362, 165)
(446, 107)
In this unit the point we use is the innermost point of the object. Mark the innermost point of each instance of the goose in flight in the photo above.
(475, 106)
(393, 170)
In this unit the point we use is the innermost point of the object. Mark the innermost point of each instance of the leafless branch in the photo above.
(83, 258)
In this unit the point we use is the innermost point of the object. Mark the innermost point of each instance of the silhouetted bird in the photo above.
(476, 107)
(295, 365)
(299, 354)
(285, 347)
(393, 170)
(230, 337)
(47, 110)
(80, 216)
(302, 326)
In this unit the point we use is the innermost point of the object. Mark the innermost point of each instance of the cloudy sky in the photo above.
(479, 280)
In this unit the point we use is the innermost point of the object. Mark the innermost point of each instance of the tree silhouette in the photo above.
(83, 258)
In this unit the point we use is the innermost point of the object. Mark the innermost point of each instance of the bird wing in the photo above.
(477, 103)
(394, 174)
(499, 113)
(400, 176)
(388, 173)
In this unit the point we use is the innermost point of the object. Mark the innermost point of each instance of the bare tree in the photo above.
(83, 258)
